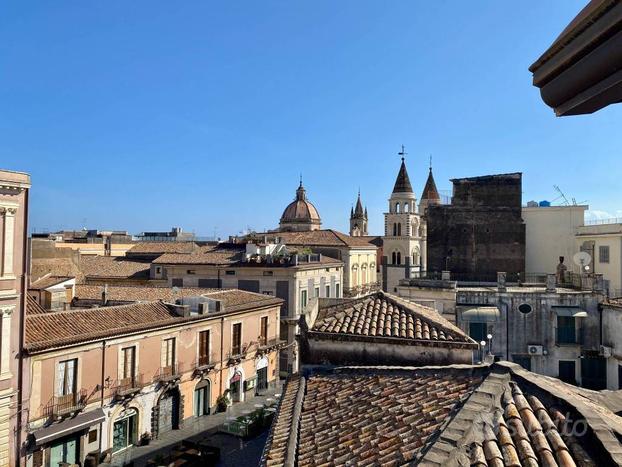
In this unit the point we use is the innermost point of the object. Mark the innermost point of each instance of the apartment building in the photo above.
(268, 268)
(98, 380)
(14, 192)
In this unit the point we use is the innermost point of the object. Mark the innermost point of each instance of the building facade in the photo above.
(550, 234)
(603, 242)
(14, 192)
(266, 269)
(123, 373)
(481, 231)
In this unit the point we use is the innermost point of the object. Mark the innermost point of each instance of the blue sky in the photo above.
(142, 115)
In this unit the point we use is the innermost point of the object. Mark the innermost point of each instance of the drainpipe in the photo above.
(101, 404)
(507, 332)
(222, 336)
(22, 321)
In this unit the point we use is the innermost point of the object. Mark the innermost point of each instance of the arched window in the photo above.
(394, 229)
(399, 258)
(364, 275)
(355, 273)
(416, 257)
(399, 229)
(406, 207)
(394, 258)
(397, 208)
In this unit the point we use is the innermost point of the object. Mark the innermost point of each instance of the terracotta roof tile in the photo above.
(33, 307)
(385, 315)
(48, 281)
(112, 266)
(162, 247)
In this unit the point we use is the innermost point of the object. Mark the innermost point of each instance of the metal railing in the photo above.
(129, 386)
(168, 373)
(611, 220)
(67, 404)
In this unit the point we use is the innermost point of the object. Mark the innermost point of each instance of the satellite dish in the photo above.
(582, 258)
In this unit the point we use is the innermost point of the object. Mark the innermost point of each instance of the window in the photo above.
(328, 291)
(567, 371)
(124, 431)
(236, 340)
(399, 230)
(230, 273)
(177, 282)
(158, 270)
(201, 398)
(566, 330)
(523, 360)
(66, 378)
(337, 291)
(317, 292)
(603, 254)
(395, 230)
(191, 272)
(204, 348)
(168, 352)
(394, 258)
(478, 331)
(399, 258)
(128, 362)
(263, 336)
(303, 299)
(92, 436)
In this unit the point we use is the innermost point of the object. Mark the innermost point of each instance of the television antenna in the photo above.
(561, 195)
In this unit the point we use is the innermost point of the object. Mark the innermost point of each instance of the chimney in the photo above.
(105, 295)
(501, 276)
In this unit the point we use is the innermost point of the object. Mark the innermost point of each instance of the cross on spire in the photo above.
(430, 162)
(402, 153)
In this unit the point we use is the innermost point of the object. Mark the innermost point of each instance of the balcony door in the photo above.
(204, 348)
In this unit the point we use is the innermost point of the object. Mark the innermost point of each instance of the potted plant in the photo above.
(145, 439)
(222, 402)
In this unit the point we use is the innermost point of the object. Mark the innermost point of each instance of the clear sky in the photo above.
(141, 115)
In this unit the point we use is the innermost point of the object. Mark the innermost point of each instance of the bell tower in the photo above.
(358, 219)
(402, 232)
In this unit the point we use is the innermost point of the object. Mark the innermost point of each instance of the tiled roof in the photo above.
(162, 247)
(48, 281)
(384, 315)
(55, 267)
(327, 237)
(61, 328)
(230, 297)
(458, 415)
(112, 266)
(366, 417)
(33, 307)
(204, 255)
(516, 418)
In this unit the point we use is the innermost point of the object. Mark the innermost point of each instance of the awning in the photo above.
(572, 311)
(479, 314)
(67, 427)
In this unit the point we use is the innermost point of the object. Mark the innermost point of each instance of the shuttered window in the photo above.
(263, 336)
(204, 348)
(236, 343)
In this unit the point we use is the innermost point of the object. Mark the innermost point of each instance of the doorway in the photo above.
(202, 398)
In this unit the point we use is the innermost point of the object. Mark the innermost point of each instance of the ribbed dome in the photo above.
(300, 213)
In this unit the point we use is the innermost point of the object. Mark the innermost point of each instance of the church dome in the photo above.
(300, 214)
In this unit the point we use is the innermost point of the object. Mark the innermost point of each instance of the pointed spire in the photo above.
(402, 183)
(301, 193)
(358, 210)
(429, 191)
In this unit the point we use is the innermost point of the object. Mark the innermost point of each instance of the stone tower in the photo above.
(358, 219)
(402, 233)
(429, 197)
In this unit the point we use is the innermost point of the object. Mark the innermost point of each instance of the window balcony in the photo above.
(168, 374)
(270, 345)
(203, 365)
(128, 387)
(237, 354)
(66, 405)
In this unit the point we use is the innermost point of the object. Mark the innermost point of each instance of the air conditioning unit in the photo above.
(535, 350)
(605, 351)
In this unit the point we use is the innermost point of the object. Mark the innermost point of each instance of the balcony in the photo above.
(128, 387)
(269, 345)
(168, 374)
(202, 366)
(65, 405)
(237, 354)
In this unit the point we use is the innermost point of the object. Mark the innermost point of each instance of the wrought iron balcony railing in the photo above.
(67, 404)
(169, 373)
(127, 387)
